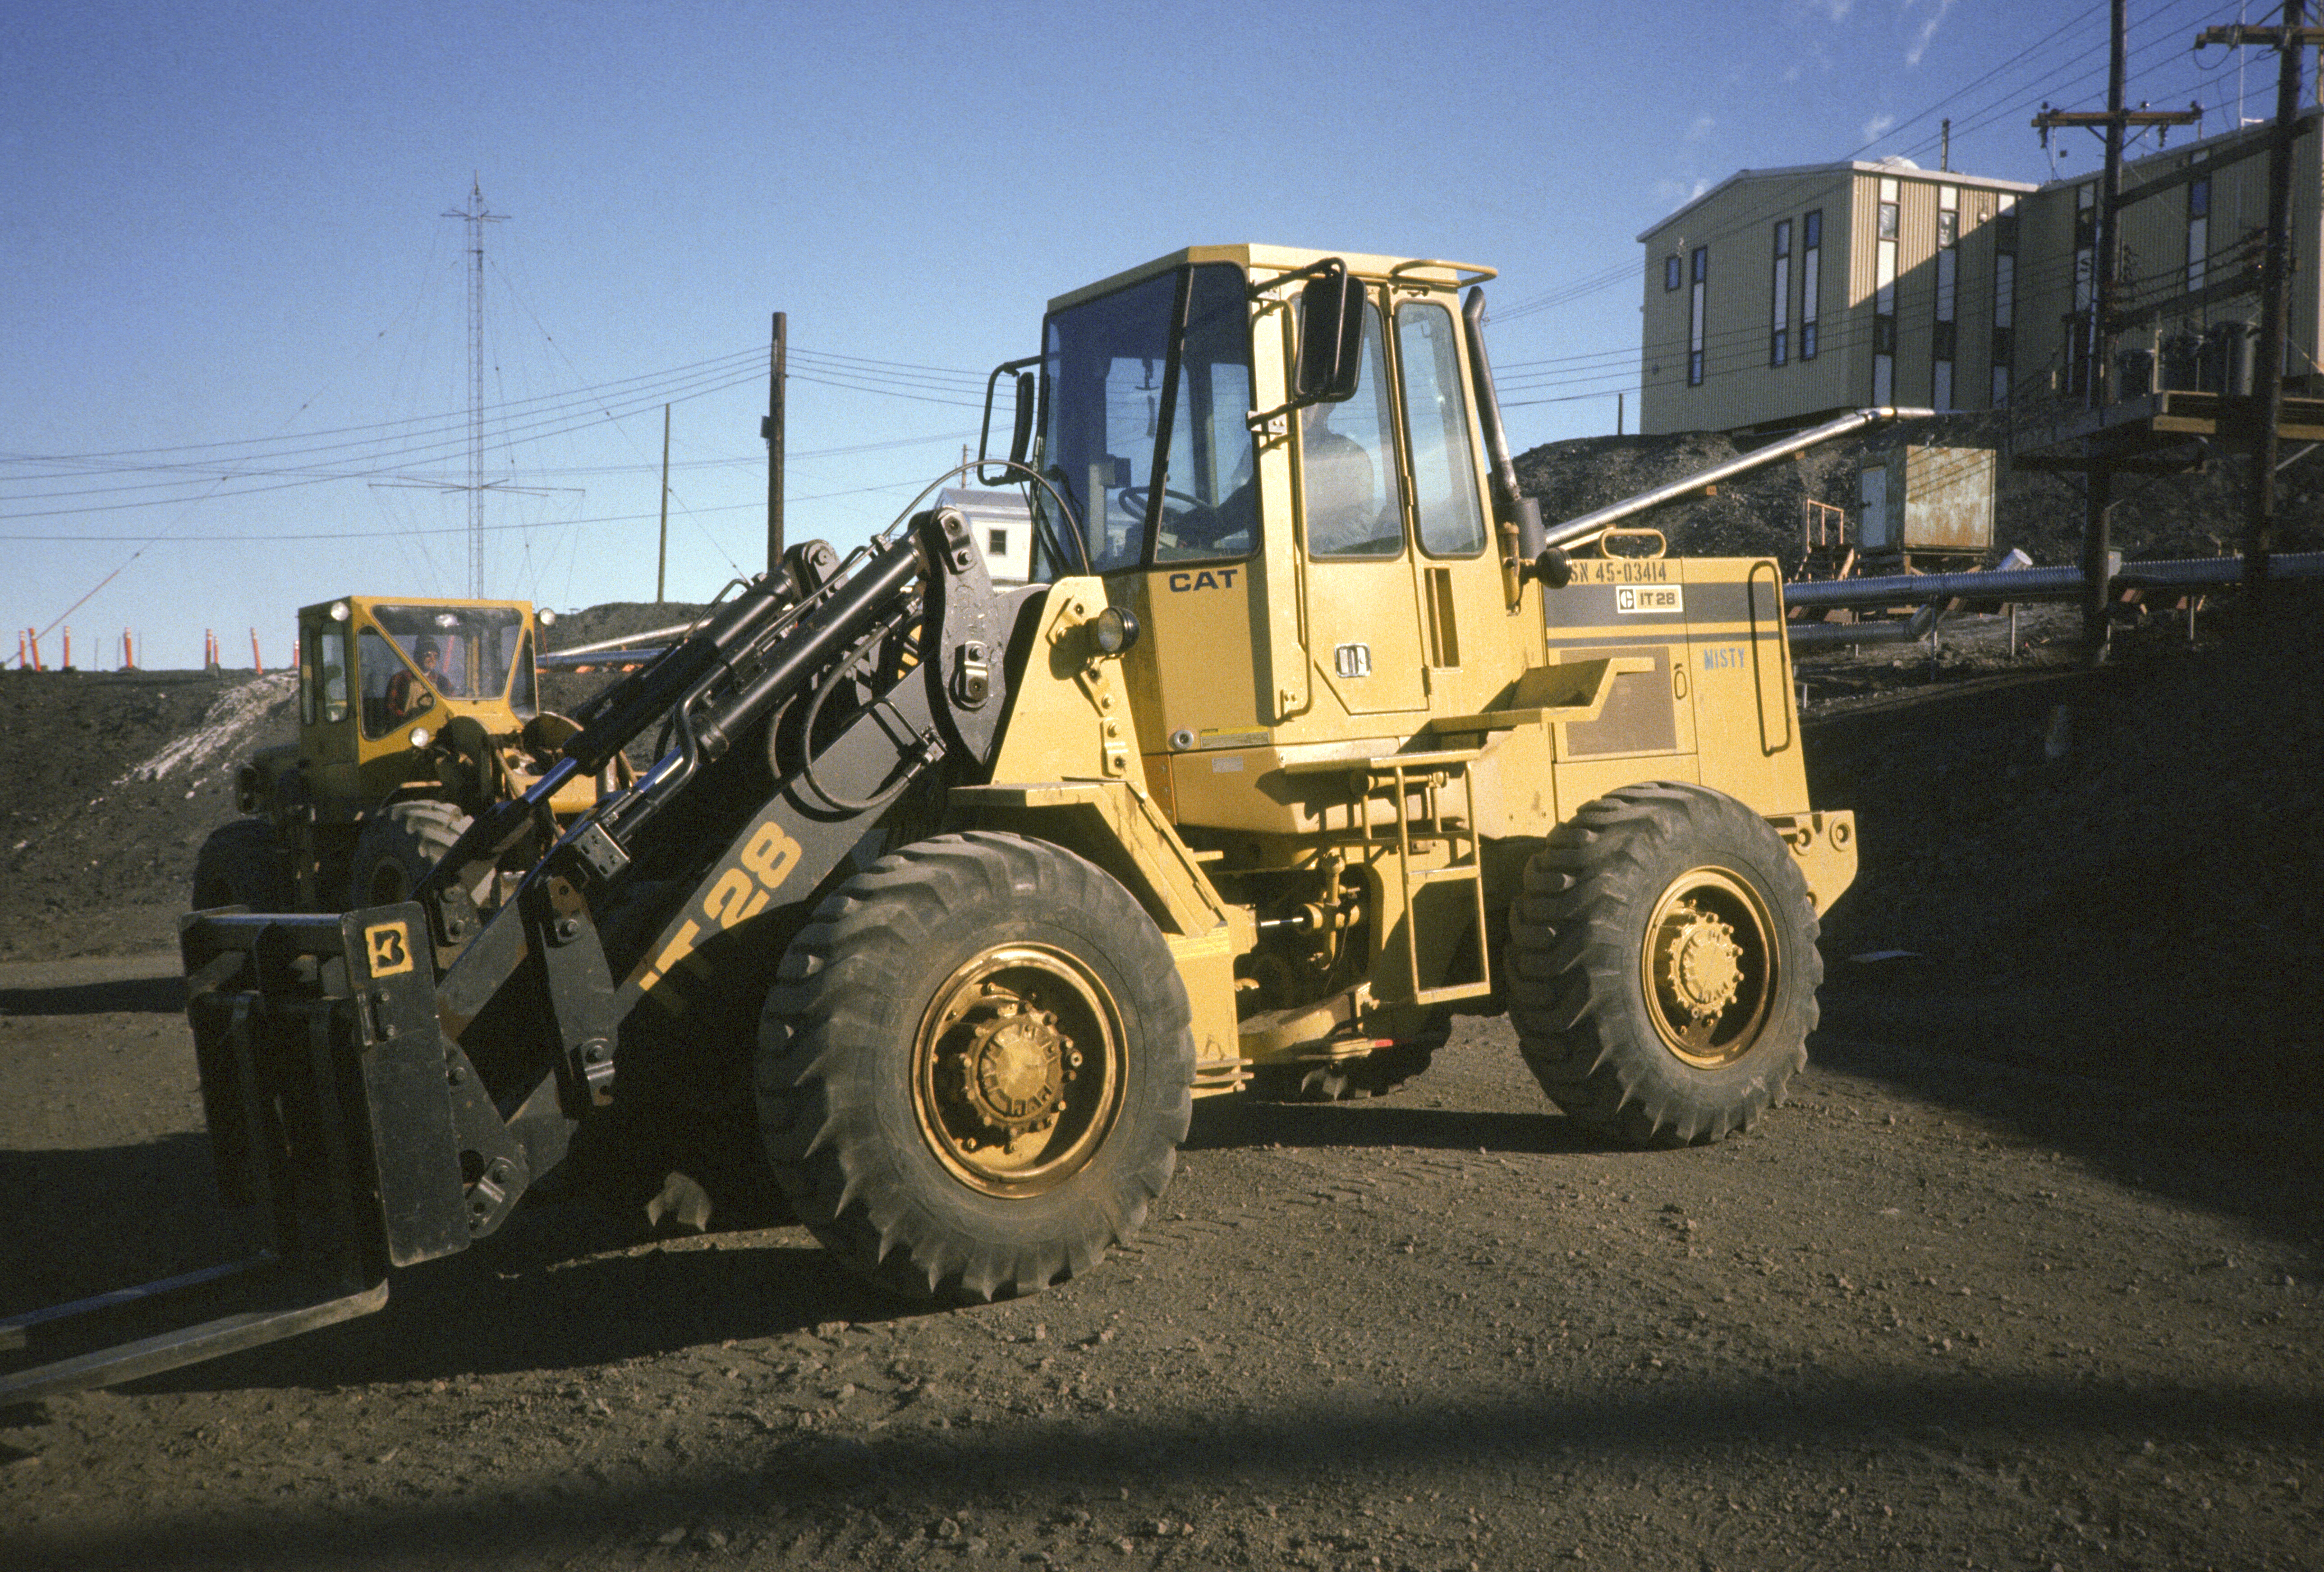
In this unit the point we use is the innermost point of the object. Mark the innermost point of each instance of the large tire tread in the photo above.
(243, 863)
(1573, 962)
(401, 842)
(836, 1038)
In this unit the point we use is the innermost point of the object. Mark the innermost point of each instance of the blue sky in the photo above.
(236, 319)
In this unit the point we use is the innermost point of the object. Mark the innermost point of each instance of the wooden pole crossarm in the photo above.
(2236, 35)
(2099, 119)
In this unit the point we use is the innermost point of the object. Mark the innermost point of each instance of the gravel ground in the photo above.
(2026, 1275)
(1936, 1313)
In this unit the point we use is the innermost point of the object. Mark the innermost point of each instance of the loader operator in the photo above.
(407, 697)
(1339, 484)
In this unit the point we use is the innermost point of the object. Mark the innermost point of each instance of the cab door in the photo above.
(1363, 620)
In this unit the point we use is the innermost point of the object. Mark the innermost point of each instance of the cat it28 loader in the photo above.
(946, 895)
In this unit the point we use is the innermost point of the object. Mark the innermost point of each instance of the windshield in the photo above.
(1115, 413)
(464, 652)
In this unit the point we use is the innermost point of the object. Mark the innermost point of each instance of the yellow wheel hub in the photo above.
(1708, 966)
(1018, 1069)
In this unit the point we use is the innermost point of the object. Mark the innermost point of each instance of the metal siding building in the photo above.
(2009, 296)
(2190, 254)
(1882, 308)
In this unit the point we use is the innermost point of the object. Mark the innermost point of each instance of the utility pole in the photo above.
(661, 557)
(2099, 330)
(2264, 416)
(772, 431)
(475, 216)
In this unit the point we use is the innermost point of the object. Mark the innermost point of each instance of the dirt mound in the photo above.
(1760, 513)
(115, 779)
(617, 619)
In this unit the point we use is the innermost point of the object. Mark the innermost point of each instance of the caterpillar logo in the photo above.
(1631, 598)
(739, 894)
(1207, 579)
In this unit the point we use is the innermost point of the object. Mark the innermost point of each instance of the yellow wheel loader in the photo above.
(1293, 735)
(414, 715)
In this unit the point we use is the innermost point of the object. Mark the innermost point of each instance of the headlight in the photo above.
(546, 618)
(339, 613)
(1114, 629)
(419, 736)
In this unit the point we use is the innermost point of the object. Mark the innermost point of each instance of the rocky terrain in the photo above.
(2194, 515)
(2027, 1274)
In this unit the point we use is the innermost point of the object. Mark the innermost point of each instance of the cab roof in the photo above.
(1277, 260)
(323, 607)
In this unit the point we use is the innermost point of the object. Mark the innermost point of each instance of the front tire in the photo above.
(1663, 966)
(398, 847)
(975, 1069)
(243, 863)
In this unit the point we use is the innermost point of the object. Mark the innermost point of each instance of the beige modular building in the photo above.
(1780, 295)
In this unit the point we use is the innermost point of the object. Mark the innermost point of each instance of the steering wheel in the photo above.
(1196, 521)
(1134, 499)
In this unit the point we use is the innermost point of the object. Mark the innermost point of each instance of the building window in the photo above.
(1671, 274)
(2198, 230)
(1941, 344)
(2005, 297)
(1811, 260)
(1883, 294)
(1780, 312)
(1694, 316)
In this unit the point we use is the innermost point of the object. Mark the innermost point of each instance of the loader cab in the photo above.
(1271, 456)
(378, 679)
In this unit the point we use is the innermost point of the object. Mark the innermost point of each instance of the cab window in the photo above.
(395, 692)
(322, 678)
(1114, 414)
(1436, 420)
(1351, 501)
(1210, 505)
(521, 698)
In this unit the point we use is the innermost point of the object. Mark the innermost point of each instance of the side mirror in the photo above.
(1021, 435)
(1331, 336)
(1021, 442)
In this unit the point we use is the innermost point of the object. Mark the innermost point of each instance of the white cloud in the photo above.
(1699, 127)
(1928, 33)
(1878, 126)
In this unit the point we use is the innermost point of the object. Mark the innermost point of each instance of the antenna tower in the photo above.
(477, 216)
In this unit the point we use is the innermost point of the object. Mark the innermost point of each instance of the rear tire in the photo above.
(243, 863)
(398, 847)
(1663, 966)
(975, 1068)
